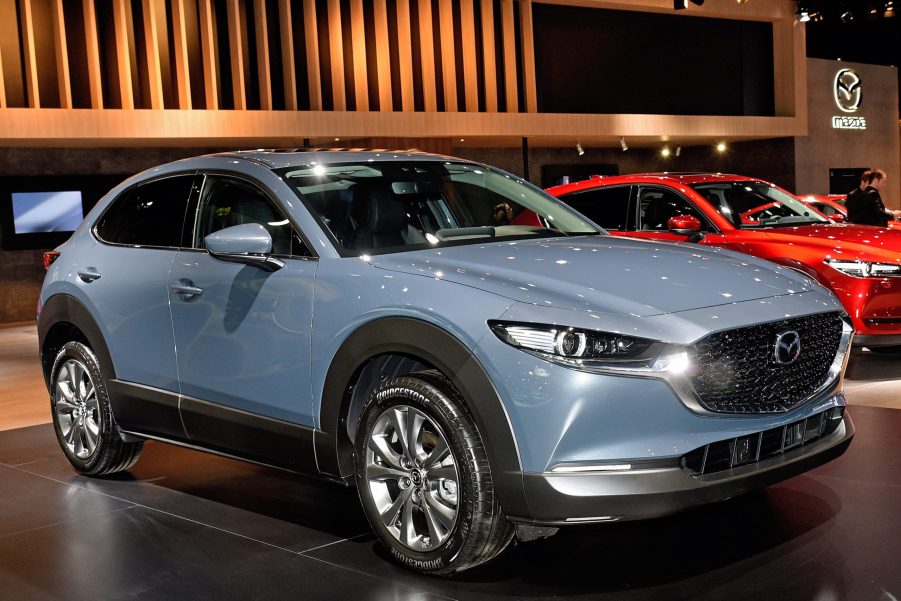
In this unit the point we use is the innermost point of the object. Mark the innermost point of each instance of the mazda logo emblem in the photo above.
(847, 91)
(787, 348)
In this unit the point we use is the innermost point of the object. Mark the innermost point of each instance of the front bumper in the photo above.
(557, 499)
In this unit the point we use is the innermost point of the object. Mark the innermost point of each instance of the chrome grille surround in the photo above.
(734, 371)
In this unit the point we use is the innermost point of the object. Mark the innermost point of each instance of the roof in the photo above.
(277, 158)
(675, 178)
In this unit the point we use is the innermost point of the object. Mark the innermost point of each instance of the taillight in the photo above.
(49, 257)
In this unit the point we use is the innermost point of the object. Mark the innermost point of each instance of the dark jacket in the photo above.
(865, 207)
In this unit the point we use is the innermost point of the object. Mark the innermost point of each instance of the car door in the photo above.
(242, 334)
(655, 205)
(126, 280)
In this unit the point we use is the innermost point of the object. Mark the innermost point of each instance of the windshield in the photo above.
(757, 204)
(392, 206)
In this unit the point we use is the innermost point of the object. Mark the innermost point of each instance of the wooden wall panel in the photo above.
(405, 54)
(62, 54)
(383, 57)
(180, 55)
(123, 55)
(427, 57)
(210, 60)
(262, 38)
(152, 50)
(237, 45)
(92, 48)
(336, 50)
(358, 44)
(2, 83)
(511, 81)
(470, 66)
(448, 56)
(286, 37)
(489, 60)
(29, 56)
(314, 77)
(530, 85)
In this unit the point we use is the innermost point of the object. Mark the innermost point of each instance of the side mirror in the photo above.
(249, 243)
(685, 225)
(838, 217)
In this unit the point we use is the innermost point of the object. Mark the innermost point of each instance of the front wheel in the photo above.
(423, 477)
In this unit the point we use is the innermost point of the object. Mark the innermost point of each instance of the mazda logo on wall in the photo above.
(847, 90)
(787, 348)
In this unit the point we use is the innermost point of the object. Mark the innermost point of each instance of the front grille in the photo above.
(744, 450)
(736, 371)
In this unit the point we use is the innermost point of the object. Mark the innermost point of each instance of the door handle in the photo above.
(186, 288)
(89, 274)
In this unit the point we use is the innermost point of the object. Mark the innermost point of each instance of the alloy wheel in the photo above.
(412, 478)
(77, 409)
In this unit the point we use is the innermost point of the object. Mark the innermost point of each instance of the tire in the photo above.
(82, 419)
(435, 510)
(888, 351)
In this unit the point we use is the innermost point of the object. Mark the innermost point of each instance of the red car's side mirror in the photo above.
(838, 217)
(684, 224)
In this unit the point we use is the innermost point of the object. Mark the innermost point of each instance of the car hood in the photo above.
(845, 240)
(603, 274)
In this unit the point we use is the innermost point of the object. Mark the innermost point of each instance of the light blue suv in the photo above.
(482, 362)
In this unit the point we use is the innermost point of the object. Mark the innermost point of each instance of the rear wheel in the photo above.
(82, 418)
(423, 477)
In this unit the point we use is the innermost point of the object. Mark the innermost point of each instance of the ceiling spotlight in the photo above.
(623, 145)
(579, 148)
(665, 152)
(680, 4)
(678, 150)
(721, 147)
(802, 15)
(740, 2)
(847, 16)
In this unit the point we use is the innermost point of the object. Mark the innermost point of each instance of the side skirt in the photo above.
(186, 421)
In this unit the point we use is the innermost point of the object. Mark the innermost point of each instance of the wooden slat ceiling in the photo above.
(401, 57)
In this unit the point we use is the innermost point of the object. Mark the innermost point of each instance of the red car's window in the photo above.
(657, 205)
(757, 204)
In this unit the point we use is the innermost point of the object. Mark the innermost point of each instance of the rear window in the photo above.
(608, 207)
(149, 214)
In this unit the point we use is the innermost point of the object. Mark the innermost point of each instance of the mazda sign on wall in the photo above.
(847, 91)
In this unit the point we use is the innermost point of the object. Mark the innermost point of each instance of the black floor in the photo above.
(185, 525)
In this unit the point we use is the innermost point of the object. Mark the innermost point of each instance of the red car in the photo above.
(833, 207)
(861, 264)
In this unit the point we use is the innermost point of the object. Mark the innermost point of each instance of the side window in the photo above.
(149, 214)
(657, 205)
(228, 201)
(608, 207)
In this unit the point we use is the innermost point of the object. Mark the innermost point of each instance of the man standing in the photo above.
(864, 204)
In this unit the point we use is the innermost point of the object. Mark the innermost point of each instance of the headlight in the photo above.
(587, 349)
(865, 269)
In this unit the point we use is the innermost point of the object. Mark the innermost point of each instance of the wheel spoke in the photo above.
(414, 426)
(375, 472)
(92, 431)
(444, 513)
(74, 376)
(79, 443)
(398, 420)
(446, 472)
(63, 406)
(69, 436)
(389, 516)
(437, 454)
(437, 531)
(380, 447)
(408, 529)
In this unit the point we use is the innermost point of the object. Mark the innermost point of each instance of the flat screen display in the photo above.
(41, 212)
